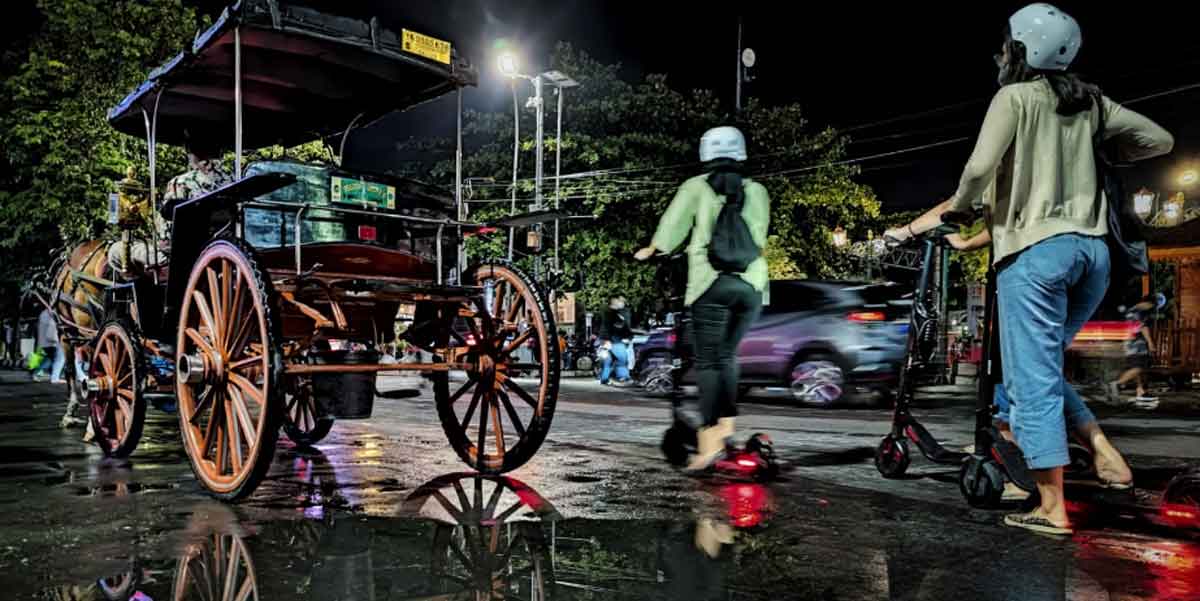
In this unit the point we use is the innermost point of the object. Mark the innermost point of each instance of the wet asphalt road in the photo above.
(375, 514)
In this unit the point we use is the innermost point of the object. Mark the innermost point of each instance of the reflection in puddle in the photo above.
(471, 537)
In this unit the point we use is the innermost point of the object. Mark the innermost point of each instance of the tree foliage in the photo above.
(60, 157)
(625, 149)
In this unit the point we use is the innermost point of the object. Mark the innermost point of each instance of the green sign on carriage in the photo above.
(359, 192)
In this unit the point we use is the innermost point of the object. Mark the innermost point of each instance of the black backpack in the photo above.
(732, 248)
(1127, 251)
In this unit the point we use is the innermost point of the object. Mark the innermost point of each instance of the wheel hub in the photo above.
(101, 386)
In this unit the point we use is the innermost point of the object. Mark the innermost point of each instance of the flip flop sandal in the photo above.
(1035, 523)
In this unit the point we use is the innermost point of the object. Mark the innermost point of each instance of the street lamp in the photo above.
(1188, 177)
(509, 67)
(839, 237)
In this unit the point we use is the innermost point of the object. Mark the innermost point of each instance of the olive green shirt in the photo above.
(1035, 169)
(694, 210)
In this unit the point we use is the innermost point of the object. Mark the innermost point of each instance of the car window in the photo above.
(793, 297)
(879, 294)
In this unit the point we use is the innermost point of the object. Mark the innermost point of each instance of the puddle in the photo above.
(121, 489)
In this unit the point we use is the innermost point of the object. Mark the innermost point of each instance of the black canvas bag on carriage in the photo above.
(1127, 250)
(732, 248)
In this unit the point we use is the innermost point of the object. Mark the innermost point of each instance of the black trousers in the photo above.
(720, 319)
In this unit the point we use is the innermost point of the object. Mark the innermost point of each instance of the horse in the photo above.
(75, 296)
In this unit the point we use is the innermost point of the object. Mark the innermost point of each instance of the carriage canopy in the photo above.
(304, 74)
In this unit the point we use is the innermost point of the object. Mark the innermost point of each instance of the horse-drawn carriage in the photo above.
(279, 289)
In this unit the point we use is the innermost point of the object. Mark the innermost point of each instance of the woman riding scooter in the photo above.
(726, 215)
(1035, 167)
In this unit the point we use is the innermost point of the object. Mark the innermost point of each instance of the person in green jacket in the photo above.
(723, 305)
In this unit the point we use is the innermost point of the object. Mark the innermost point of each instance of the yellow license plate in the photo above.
(425, 46)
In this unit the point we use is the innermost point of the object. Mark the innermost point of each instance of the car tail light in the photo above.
(368, 233)
(480, 232)
(672, 337)
(867, 316)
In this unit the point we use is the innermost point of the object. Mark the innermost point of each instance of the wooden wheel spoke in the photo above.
(106, 361)
(235, 307)
(243, 335)
(118, 421)
(512, 414)
(498, 298)
(447, 505)
(494, 409)
(248, 388)
(516, 388)
(471, 408)
(198, 339)
(125, 378)
(517, 303)
(206, 399)
(484, 410)
(517, 342)
(246, 362)
(462, 557)
(462, 390)
(233, 436)
(222, 456)
(231, 570)
(211, 430)
(218, 309)
(246, 590)
(245, 422)
(493, 500)
(206, 316)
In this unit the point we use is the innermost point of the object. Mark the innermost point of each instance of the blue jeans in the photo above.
(618, 356)
(55, 365)
(1046, 295)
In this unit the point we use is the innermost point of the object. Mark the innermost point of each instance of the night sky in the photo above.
(854, 65)
(893, 75)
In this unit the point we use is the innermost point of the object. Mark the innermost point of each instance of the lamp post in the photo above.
(509, 66)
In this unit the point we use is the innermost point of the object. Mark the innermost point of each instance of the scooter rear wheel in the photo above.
(892, 457)
(981, 481)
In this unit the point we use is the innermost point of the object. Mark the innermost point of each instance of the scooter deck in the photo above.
(930, 447)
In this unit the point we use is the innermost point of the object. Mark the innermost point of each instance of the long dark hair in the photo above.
(1074, 95)
(726, 179)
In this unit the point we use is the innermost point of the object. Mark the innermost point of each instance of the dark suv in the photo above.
(822, 340)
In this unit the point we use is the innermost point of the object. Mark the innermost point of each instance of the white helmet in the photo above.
(722, 143)
(1051, 37)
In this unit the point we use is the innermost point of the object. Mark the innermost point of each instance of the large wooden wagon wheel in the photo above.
(499, 416)
(227, 370)
(490, 539)
(115, 400)
(218, 569)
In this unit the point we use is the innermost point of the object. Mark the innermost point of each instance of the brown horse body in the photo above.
(76, 299)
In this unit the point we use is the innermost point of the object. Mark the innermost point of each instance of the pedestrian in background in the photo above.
(1139, 352)
(725, 215)
(47, 340)
(615, 335)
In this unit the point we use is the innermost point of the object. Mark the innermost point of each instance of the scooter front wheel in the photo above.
(892, 457)
(981, 481)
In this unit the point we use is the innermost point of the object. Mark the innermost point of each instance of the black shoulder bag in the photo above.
(1126, 242)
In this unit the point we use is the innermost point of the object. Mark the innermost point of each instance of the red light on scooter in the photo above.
(861, 316)
(368, 233)
(672, 337)
(750, 463)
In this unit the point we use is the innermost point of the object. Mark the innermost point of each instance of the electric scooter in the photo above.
(996, 460)
(756, 460)
(892, 456)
